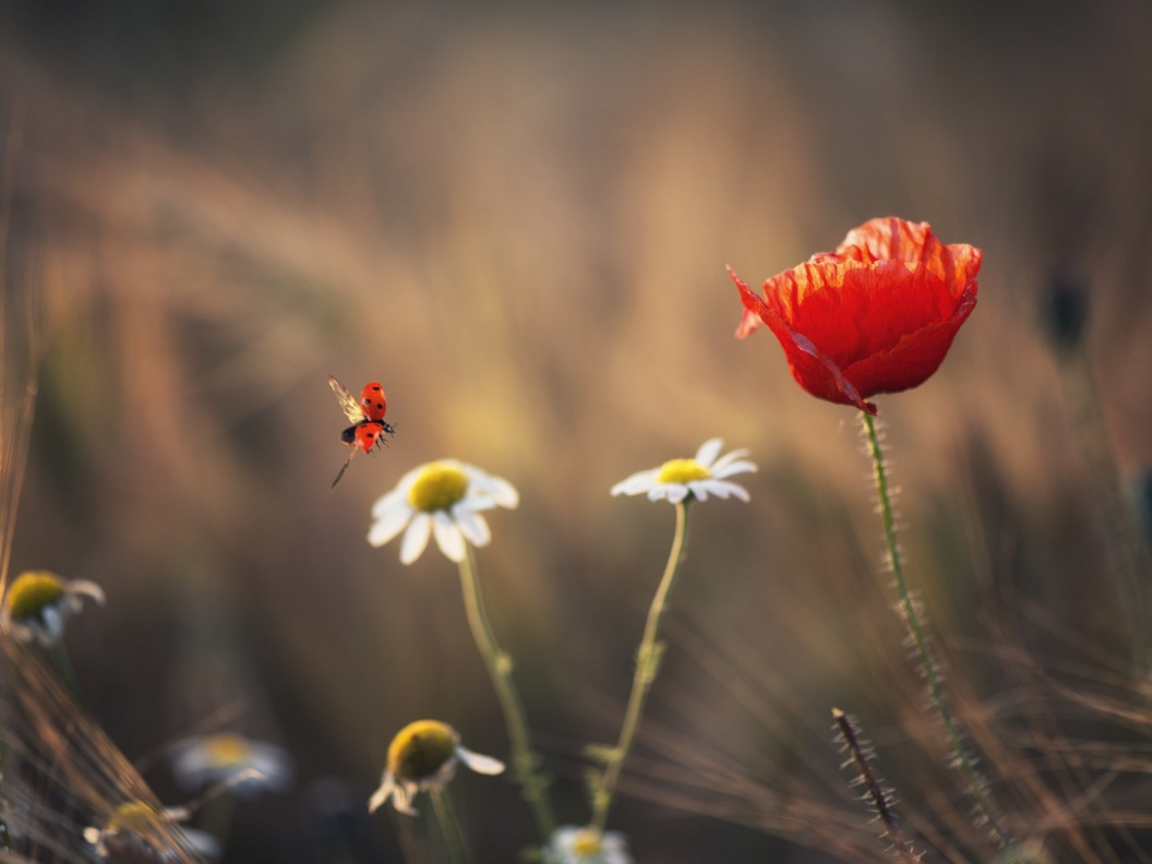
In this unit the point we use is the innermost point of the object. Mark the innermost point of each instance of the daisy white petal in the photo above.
(699, 489)
(741, 466)
(473, 525)
(387, 788)
(389, 523)
(501, 491)
(388, 502)
(724, 489)
(448, 536)
(708, 452)
(476, 503)
(639, 482)
(416, 538)
(726, 460)
(83, 587)
(480, 763)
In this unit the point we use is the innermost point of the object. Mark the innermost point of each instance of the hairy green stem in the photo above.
(446, 816)
(959, 752)
(524, 761)
(647, 666)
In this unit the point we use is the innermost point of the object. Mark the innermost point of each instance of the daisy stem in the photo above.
(524, 761)
(446, 816)
(962, 758)
(64, 666)
(647, 666)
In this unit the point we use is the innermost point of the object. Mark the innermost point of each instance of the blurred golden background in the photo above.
(516, 217)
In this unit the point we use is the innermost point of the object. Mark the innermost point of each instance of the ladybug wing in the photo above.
(348, 404)
(373, 402)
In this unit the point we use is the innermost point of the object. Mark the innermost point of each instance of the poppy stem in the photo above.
(962, 758)
(446, 816)
(648, 657)
(524, 761)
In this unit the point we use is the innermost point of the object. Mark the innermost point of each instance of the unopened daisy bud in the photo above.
(38, 602)
(423, 756)
(699, 477)
(574, 845)
(444, 499)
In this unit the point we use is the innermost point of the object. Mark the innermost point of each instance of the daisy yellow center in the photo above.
(226, 749)
(682, 471)
(587, 844)
(134, 816)
(31, 592)
(421, 749)
(438, 487)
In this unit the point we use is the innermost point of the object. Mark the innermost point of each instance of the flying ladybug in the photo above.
(366, 416)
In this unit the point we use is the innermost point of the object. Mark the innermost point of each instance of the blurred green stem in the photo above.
(524, 761)
(908, 609)
(67, 673)
(647, 666)
(451, 828)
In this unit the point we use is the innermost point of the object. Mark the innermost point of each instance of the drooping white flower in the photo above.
(574, 845)
(423, 756)
(138, 832)
(444, 499)
(699, 477)
(230, 759)
(38, 602)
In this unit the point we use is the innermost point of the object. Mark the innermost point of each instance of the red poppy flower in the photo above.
(875, 316)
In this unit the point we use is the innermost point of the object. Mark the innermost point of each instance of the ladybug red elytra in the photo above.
(367, 417)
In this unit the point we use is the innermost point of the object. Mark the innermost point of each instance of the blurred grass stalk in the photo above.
(1065, 313)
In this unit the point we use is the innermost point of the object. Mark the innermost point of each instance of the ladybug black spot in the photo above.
(379, 405)
(376, 387)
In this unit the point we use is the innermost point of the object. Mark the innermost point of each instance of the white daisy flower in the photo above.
(423, 756)
(38, 602)
(442, 499)
(573, 845)
(139, 832)
(229, 759)
(699, 477)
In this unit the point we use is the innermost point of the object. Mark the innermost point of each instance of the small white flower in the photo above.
(423, 756)
(37, 603)
(139, 832)
(442, 499)
(573, 845)
(699, 477)
(229, 759)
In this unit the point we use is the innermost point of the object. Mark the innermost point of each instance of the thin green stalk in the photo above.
(524, 761)
(64, 666)
(447, 819)
(960, 753)
(647, 666)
